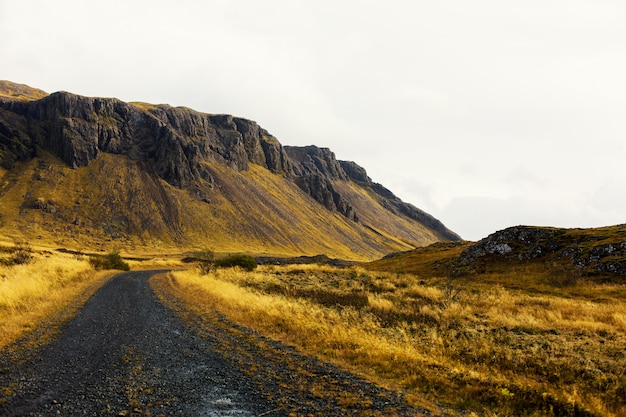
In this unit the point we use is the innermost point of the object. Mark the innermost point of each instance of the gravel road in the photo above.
(127, 354)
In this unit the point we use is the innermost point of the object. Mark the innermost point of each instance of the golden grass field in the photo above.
(448, 345)
(49, 288)
(40, 289)
(505, 342)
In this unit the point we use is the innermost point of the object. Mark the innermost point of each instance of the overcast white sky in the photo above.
(484, 113)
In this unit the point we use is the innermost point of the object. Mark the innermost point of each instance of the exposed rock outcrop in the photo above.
(588, 252)
(174, 140)
(315, 169)
(520, 242)
(391, 202)
(311, 160)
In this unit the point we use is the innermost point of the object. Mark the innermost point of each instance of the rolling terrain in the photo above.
(527, 321)
(553, 257)
(98, 172)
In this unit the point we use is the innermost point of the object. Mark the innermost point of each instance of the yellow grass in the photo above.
(477, 347)
(41, 289)
(156, 263)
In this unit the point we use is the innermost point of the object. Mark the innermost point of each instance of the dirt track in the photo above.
(128, 354)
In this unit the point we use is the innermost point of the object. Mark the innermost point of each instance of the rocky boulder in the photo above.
(520, 242)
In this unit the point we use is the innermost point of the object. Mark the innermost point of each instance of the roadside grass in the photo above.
(41, 288)
(458, 344)
(156, 263)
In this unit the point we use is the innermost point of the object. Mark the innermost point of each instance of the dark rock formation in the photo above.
(394, 204)
(311, 160)
(315, 170)
(355, 172)
(174, 140)
(521, 242)
(586, 251)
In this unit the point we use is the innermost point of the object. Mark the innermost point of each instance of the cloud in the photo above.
(484, 113)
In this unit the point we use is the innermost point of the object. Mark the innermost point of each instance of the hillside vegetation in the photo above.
(20, 92)
(112, 202)
(42, 287)
(543, 256)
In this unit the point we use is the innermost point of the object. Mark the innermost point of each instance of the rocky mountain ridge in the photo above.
(177, 140)
(182, 147)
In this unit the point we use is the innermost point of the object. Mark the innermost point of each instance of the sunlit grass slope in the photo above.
(40, 289)
(20, 91)
(116, 202)
(449, 345)
(373, 215)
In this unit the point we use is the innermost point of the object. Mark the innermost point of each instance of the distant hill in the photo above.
(22, 92)
(95, 172)
(558, 256)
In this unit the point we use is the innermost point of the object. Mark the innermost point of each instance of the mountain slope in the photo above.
(83, 171)
(21, 92)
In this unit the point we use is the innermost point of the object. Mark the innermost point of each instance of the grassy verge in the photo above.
(466, 346)
(43, 287)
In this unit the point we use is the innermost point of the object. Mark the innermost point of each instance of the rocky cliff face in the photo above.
(315, 169)
(178, 145)
(175, 141)
(394, 204)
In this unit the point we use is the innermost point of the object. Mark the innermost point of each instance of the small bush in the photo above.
(205, 259)
(22, 253)
(111, 261)
(246, 262)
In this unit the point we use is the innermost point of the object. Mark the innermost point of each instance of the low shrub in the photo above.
(22, 253)
(205, 258)
(241, 260)
(112, 260)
